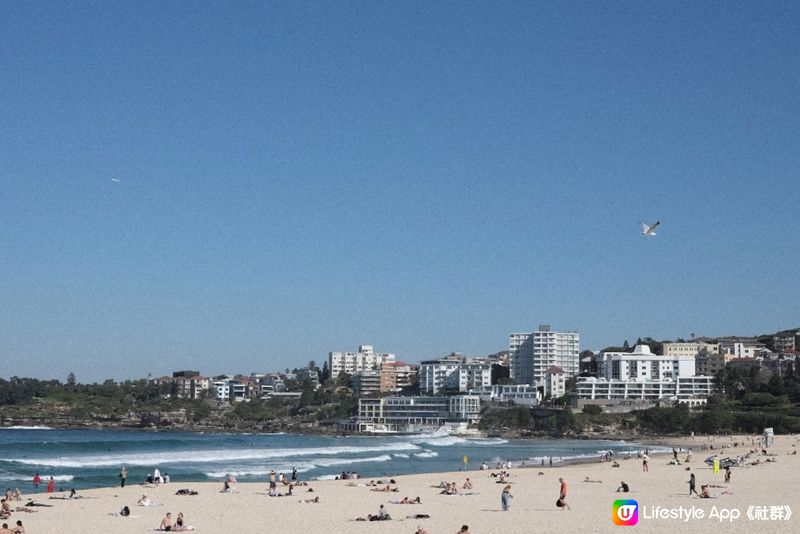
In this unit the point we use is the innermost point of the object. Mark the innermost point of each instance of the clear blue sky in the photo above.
(426, 177)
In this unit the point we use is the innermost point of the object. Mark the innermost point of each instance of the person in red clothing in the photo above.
(51, 485)
(562, 495)
(37, 480)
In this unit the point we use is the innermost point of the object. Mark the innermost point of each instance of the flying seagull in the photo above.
(116, 180)
(649, 229)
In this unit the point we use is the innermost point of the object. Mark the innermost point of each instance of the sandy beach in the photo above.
(535, 490)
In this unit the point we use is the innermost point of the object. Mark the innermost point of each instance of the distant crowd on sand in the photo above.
(503, 474)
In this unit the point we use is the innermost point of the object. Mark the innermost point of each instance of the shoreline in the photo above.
(342, 501)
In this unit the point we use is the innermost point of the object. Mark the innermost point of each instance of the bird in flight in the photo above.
(116, 180)
(649, 229)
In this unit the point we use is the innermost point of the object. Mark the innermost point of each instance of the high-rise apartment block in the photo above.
(531, 354)
(366, 359)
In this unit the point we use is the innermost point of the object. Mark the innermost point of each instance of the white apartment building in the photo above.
(532, 353)
(403, 414)
(222, 389)
(741, 349)
(453, 373)
(366, 359)
(555, 383)
(643, 375)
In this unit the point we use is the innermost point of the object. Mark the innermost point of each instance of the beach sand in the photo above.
(532, 508)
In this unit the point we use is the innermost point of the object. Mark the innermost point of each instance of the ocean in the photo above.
(92, 458)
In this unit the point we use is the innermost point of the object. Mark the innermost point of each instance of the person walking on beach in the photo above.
(37, 480)
(727, 474)
(562, 495)
(51, 485)
(123, 476)
(691, 485)
(505, 498)
(645, 461)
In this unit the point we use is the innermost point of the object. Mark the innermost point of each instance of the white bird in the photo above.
(116, 180)
(649, 229)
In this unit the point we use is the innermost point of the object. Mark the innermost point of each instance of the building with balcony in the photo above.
(532, 353)
(453, 374)
(366, 359)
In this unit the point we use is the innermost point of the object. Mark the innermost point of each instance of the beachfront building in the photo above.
(367, 383)
(412, 414)
(397, 376)
(453, 374)
(366, 359)
(221, 388)
(741, 347)
(531, 354)
(523, 394)
(645, 376)
(554, 383)
(189, 384)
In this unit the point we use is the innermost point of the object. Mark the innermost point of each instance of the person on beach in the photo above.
(51, 485)
(166, 523)
(37, 481)
(123, 476)
(180, 524)
(727, 474)
(19, 529)
(273, 483)
(156, 476)
(623, 487)
(645, 463)
(692, 485)
(5, 529)
(467, 484)
(562, 495)
(505, 498)
(464, 530)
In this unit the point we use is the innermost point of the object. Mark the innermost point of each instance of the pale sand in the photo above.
(532, 508)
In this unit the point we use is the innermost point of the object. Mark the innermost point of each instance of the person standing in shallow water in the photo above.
(37, 481)
(51, 485)
(123, 476)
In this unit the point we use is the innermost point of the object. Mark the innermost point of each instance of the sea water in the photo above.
(92, 458)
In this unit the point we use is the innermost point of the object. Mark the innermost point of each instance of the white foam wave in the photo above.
(326, 477)
(400, 455)
(426, 454)
(445, 441)
(23, 427)
(204, 456)
(488, 441)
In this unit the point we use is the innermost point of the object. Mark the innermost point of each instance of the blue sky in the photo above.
(426, 177)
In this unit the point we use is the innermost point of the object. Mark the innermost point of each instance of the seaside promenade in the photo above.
(764, 485)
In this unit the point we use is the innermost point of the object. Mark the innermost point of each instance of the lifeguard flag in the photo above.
(716, 465)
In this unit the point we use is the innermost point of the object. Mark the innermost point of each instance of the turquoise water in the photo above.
(92, 458)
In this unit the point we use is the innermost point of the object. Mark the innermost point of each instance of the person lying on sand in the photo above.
(589, 480)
